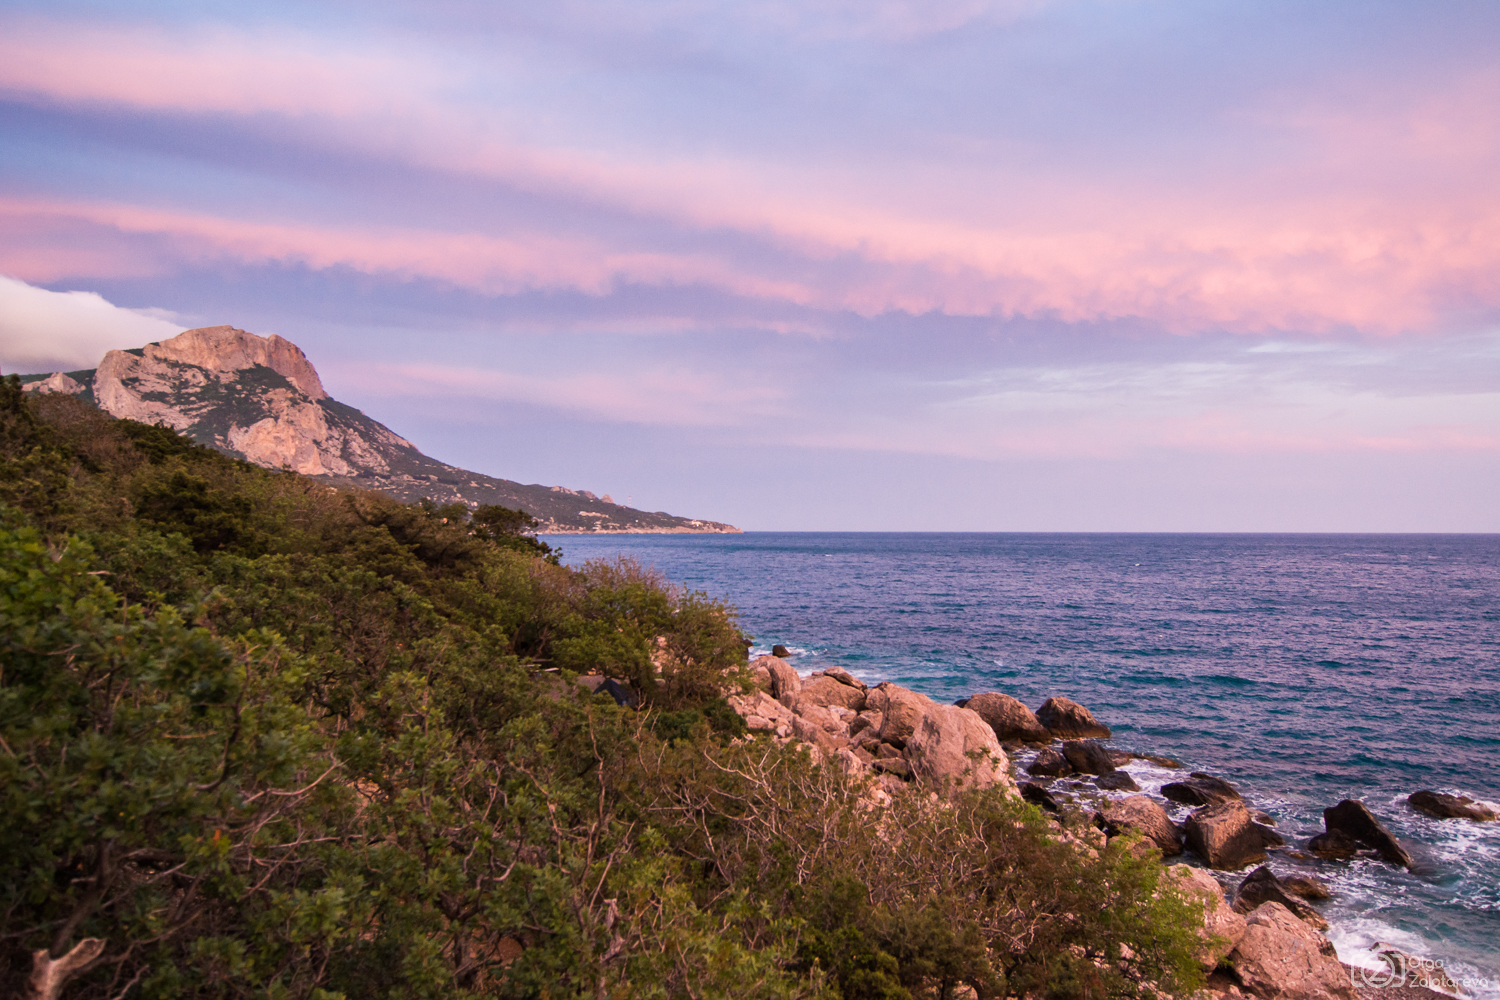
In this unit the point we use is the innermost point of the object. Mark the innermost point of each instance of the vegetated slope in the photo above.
(259, 398)
(260, 737)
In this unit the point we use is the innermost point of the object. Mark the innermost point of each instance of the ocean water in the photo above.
(1305, 669)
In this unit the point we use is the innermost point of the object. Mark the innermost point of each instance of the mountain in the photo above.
(260, 399)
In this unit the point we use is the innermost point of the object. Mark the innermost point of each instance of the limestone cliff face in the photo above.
(260, 399)
(257, 397)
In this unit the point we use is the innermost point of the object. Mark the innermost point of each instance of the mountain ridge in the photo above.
(260, 399)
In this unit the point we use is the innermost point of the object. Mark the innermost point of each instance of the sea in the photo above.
(1305, 669)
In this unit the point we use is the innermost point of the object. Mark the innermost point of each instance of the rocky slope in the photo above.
(260, 399)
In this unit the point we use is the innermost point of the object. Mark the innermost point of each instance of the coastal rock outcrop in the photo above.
(1354, 819)
(1068, 720)
(1143, 815)
(1200, 789)
(785, 684)
(951, 744)
(1224, 835)
(1049, 763)
(1087, 757)
(1011, 720)
(1117, 781)
(1281, 958)
(1441, 805)
(1262, 886)
(824, 690)
(1222, 927)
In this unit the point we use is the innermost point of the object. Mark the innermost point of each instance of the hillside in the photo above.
(260, 399)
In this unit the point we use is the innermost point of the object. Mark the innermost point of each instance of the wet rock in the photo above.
(1117, 781)
(827, 691)
(1441, 805)
(780, 652)
(1224, 836)
(1119, 758)
(1222, 927)
(1268, 836)
(1306, 887)
(1159, 760)
(1069, 720)
(1263, 818)
(1011, 720)
(1352, 817)
(1144, 816)
(1335, 845)
(1200, 790)
(1050, 763)
(1087, 757)
(1039, 797)
(1262, 886)
(1281, 958)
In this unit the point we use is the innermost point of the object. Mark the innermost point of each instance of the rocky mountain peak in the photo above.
(224, 348)
(260, 399)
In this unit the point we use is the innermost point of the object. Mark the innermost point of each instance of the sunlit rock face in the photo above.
(260, 399)
(256, 397)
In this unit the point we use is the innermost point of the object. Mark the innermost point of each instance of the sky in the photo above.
(988, 265)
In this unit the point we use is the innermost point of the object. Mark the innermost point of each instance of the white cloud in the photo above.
(42, 331)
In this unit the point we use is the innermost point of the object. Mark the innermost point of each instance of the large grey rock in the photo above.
(1069, 720)
(827, 691)
(1144, 816)
(1351, 817)
(1049, 763)
(1088, 757)
(1199, 790)
(1011, 720)
(1441, 805)
(1224, 835)
(1222, 927)
(1334, 845)
(1117, 781)
(1306, 887)
(1281, 958)
(1262, 886)
(951, 745)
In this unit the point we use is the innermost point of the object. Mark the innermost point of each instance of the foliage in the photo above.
(262, 738)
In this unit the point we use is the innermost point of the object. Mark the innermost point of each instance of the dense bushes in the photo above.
(260, 738)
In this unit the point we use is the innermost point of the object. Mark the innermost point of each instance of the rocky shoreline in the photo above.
(1262, 938)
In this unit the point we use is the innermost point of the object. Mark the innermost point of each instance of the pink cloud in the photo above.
(982, 238)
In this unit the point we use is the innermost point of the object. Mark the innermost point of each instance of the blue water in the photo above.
(1305, 668)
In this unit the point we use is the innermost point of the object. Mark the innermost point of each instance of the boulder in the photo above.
(1117, 781)
(1039, 797)
(1119, 758)
(1069, 720)
(1281, 958)
(866, 720)
(1268, 836)
(780, 652)
(1222, 927)
(951, 744)
(1160, 761)
(895, 766)
(785, 684)
(1011, 720)
(809, 731)
(1146, 817)
(1224, 835)
(1050, 763)
(1087, 757)
(1351, 817)
(1306, 887)
(1200, 790)
(1262, 886)
(760, 676)
(1335, 845)
(845, 677)
(825, 690)
(821, 717)
(900, 710)
(1441, 805)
